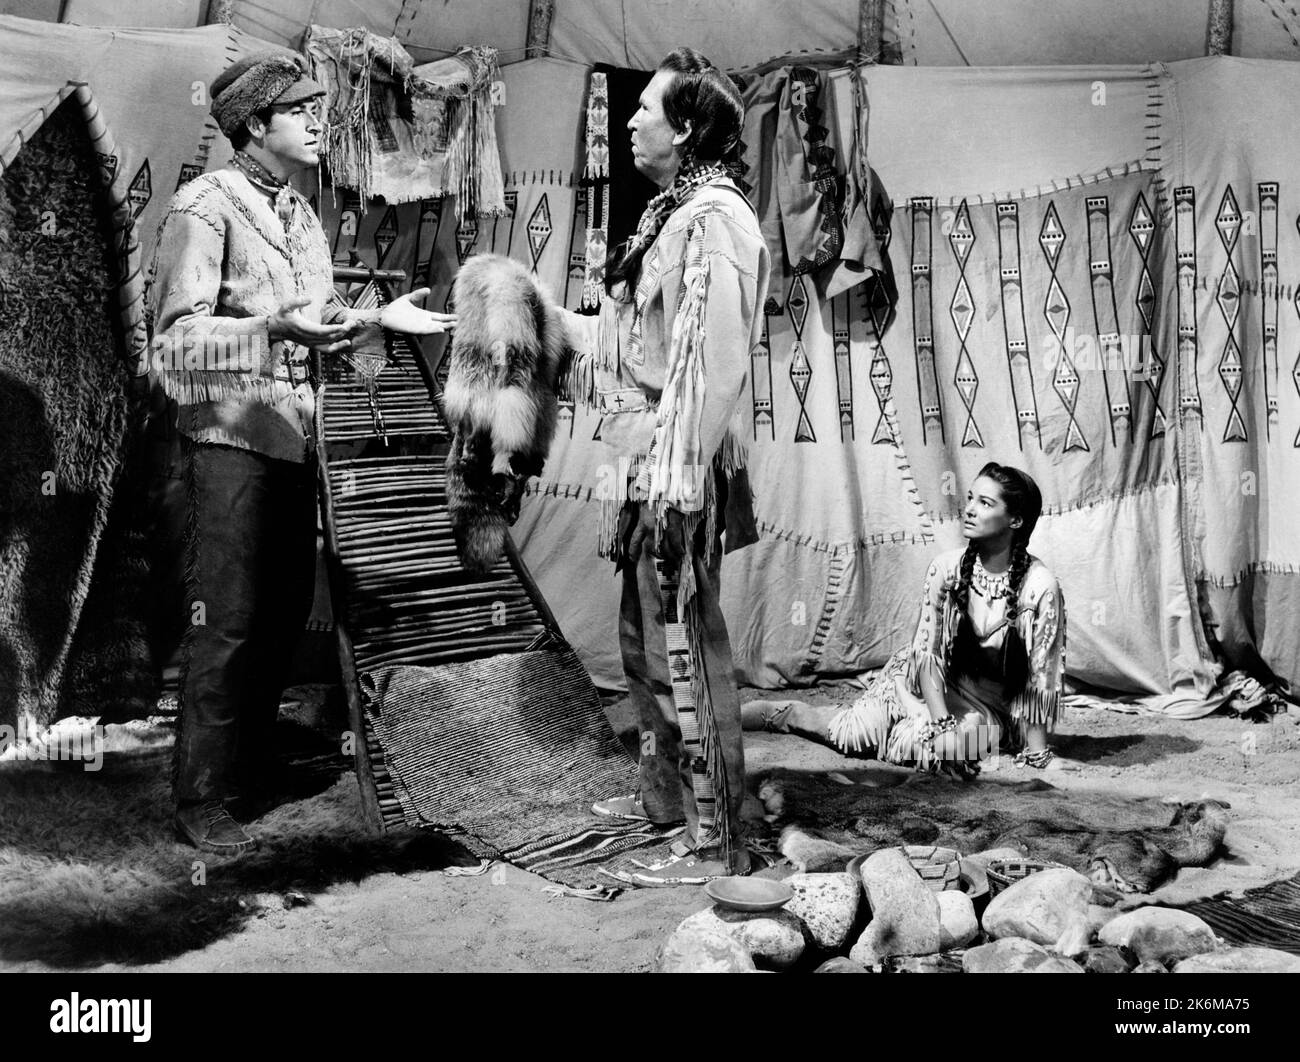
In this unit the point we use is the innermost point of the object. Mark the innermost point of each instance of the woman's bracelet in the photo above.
(936, 728)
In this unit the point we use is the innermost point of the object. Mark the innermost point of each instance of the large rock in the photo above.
(770, 938)
(1160, 933)
(1016, 955)
(1107, 959)
(1150, 966)
(841, 965)
(1241, 960)
(701, 950)
(1075, 937)
(958, 925)
(1039, 907)
(827, 904)
(904, 911)
(1098, 916)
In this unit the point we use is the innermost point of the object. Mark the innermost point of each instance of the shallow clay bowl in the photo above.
(749, 894)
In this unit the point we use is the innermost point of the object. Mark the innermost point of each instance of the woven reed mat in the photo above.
(1267, 917)
(512, 750)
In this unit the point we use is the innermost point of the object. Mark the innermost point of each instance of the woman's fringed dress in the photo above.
(970, 665)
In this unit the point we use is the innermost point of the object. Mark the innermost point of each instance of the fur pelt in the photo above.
(500, 399)
(1140, 860)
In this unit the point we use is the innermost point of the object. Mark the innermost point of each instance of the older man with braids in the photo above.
(985, 665)
(666, 363)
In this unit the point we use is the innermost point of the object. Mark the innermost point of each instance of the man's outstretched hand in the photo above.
(402, 315)
(288, 323)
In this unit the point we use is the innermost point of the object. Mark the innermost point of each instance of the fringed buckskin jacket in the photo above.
(667, 369)
(1039, 618)
(223, 262)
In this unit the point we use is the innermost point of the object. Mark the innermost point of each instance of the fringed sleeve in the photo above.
(936, 624)
(707, 362)
(197, 354)
(1042, 626)
(577, 377)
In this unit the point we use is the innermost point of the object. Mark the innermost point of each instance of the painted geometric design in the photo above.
(1056, 309)
(1295, 369)
(511, 200)
(1105, 315)
(927, 375)
(760, 372)
(1141, 229)
(881, 372)
(801, 378)
(141, 190)
(1228, 297)
(1189, 387)
(1268, 292)
(508, 221)
(882, 383)
(796, 304)
(430, 221)
(349, 225)
(1013, 320)
(385, 236)
(539, 230)
(466, 237)
(189, 170)
(107, 167)
(577, 265)
(962, 312)
(843, 365)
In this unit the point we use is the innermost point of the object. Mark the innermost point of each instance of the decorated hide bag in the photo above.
(499, 401)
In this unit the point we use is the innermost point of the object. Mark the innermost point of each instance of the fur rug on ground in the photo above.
(72, 637)
(90, 871)
(1043, 822)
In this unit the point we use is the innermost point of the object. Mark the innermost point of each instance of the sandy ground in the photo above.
(503, 921)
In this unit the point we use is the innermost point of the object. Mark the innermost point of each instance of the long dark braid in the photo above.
(1016, 572)
(964, 574)
(1022, 498)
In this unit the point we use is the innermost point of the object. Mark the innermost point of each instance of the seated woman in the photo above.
(984, 670)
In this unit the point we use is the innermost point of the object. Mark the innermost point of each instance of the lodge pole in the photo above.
(1218, 31)
(539, 28)
(871, 28)
(220, 12)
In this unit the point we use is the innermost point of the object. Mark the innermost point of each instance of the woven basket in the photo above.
(1006, 872)
(940, 868)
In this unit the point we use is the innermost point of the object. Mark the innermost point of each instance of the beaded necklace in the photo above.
(986, 584)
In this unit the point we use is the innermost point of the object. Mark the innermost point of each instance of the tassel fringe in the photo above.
(344, 61)
(190, 387)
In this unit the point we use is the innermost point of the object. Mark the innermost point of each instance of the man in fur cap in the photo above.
(671, 352)
(238, 290)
